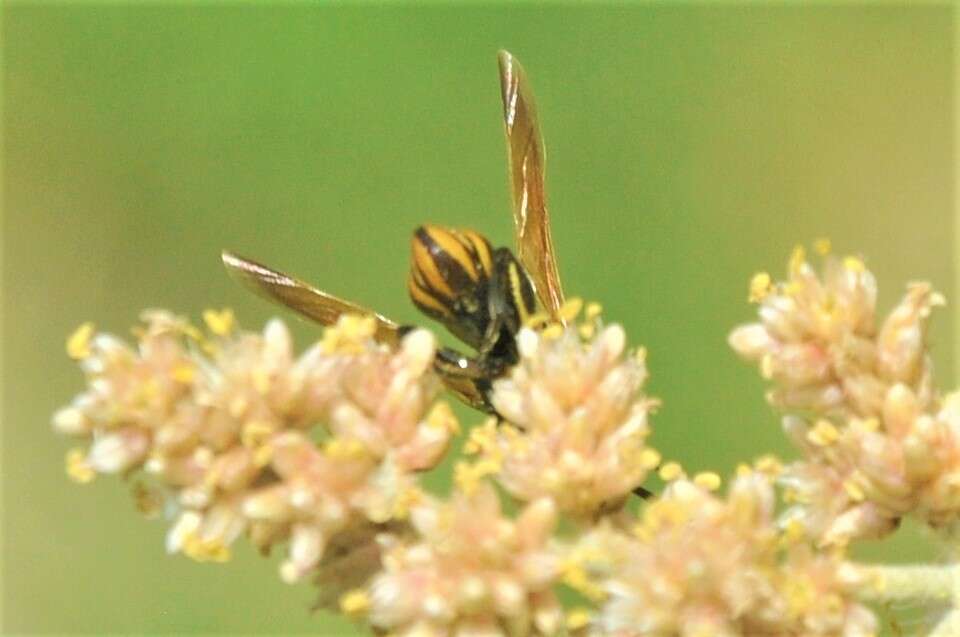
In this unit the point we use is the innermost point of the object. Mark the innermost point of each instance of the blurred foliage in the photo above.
(688, 147)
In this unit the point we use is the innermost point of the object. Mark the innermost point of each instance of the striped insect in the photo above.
(482, 295)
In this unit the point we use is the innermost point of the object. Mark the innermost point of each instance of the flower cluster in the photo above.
(859, 400)
(698, 564)
(225, 422)
(468, 571)
(576, 422)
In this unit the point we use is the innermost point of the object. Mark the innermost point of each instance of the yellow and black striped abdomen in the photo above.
(449, 277)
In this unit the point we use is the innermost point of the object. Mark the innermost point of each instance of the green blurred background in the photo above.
(688, 147)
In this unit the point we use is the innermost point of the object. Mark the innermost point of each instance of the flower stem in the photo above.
(917, 582)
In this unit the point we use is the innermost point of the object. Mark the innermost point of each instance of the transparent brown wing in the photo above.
(307, 300)
(525, 154)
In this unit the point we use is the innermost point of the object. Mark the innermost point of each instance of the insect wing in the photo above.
(526, 157)
(307, 300)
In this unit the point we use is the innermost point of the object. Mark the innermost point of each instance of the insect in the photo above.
(482, 295)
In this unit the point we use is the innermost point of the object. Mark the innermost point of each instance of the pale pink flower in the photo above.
(577, 420)
(223, 421)
(470, 571)
(696, 564)
(860, 401)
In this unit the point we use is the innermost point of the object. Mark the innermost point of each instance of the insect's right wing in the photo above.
(527, 163)
(307, 300)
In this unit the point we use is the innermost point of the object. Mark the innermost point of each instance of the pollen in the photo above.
(671, 471)
(467, 476)
(760, 287)
(78, 343)
(255, 433)
(593, 311)
(793, 532)
(587, 331)
(822, 246)
(78, 468)
(650, 458)
(481, 438)
(552, 331)
(823, 434)
(707, 480)
(219, 322)
(184, 373)
(441, 417)
(537, 320)
(797, 260)
(341, 449)
(262, 456)
(770, 465)
(854, 264)
(406, 501)
(577, 618)
(349, 334)
(854, 490)
(200, 550)
(570, 309)
(354, 603)
(576, 578)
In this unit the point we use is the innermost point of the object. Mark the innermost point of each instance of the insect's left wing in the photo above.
(526, 158)
(302, 297)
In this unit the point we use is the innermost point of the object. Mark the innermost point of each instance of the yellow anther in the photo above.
(341, 449)
(255, 433)
(587, 331)
(78, 343)
(854, 491)
(650, 458)
(571, 307)
(797, 260)
(793, 532)
(482, 438)
(767, 366)
(577, 618)
(355, 602)
(261, 380)
(576, 578)
(823, 434)
(640, 354)
(854, 264)
(219, 322)
(212, 550)
(822, 246)
(467, 476)
(406, 501)
(441, 417)
(769, 464)
(350, 335)
(744, 470)
(552, 331)
(537, 320)
(184, 373)
(262, 455)
(707, 480)
(78, 468)
(191, 332)
(760, 286)
(593, 311)
(671, 471)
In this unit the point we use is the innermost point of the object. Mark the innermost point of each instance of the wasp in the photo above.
(482, 295)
